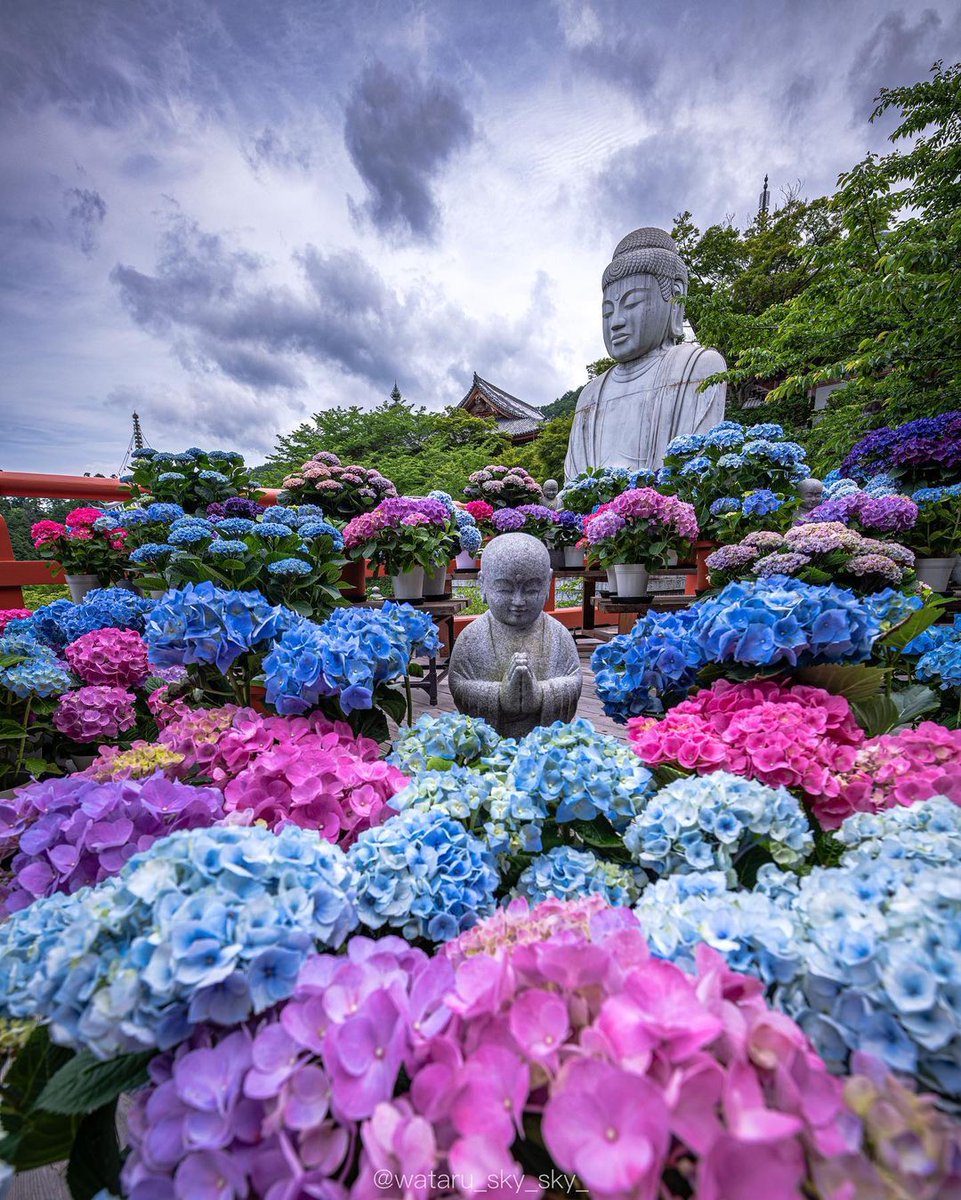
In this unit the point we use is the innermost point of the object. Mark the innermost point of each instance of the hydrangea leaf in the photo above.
(852, 682)
(87, 1083)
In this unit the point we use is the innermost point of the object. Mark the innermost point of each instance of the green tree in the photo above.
(417, 449)
(865, 289)
(20, 512)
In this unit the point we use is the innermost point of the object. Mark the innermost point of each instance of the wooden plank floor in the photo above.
(589, 707)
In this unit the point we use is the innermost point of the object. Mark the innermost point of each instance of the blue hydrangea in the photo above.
(834, 489)
(568, 874)
(471, 539)
(767, 431)
(686, 444)
(656, 663)
(696, 466)
(211, 626)
(709, 823)
(315, 527)
(941, 664)
(207, 925)
(444, 498)
(212, 477)
(459, 792)
(171, 477)
(235, 527)
(930, 831)
(123, 605)
(731, 462)
(151, 554)
(289, 568)
(226, 456)
(38, 673)
(754, 931)
(777, 620)
(725, 439)
(448, 737)
(131, 518)
(61, 622)
(281, 515)
(188, 535)
(348, 655)
(423, 874)
(582, 774)
(273, 529)
(761, 503)
(228, 548)
(105, 523)
(725, 504)
(164, 513)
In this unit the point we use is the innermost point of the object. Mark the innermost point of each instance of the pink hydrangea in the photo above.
(898, 768)
(13, 614)
(480, 510)
(44, 532)
(312, 773)
(797, 737)
(115, 657)
(96, 713)
(83, 516)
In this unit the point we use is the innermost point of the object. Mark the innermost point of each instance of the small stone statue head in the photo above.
(810, 493)
(550, 489)
(514, 578)
(641, 285)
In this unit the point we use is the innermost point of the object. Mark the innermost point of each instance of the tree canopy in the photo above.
(860, 287)
(417, 449)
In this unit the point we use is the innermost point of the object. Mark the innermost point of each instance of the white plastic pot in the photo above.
(631, 580)
(409, 585)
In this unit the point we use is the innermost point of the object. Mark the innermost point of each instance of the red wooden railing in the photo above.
(15, 573)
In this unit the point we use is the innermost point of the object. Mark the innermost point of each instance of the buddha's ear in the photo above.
(678, 292)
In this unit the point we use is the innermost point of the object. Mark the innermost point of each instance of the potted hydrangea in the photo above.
(599, 485)
(193, 478)
(90, 546)
(922, 453)
(341, 491)
(503, 487)
(637, 531)
(407, 535)
(820, 553)
(567, 532)
(935, 536)
(535, 519)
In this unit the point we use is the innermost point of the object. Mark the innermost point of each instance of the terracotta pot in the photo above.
(258, 699)
(354, 574)
(701, 551)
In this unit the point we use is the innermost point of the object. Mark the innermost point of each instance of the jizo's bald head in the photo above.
(515, 577)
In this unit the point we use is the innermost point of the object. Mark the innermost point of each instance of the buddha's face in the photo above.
(635, 316)
(515, 596)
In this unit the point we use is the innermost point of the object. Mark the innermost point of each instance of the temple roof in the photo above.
(505, 404)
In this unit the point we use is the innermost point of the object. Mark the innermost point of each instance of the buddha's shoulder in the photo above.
(590, 392)
(691, 360)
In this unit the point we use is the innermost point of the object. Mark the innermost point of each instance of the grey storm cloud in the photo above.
(86, 210)
(896, 52)
(400, 131)
(271, 148)
(214, 305)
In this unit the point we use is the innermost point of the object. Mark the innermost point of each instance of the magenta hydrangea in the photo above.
(109, 657)
(73, 832)
(96, 713)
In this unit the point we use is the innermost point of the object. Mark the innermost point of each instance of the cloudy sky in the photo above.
(228, 214)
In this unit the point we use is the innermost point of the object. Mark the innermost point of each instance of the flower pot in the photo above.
(573, 558)
(611, 579)
(258, 699)
(79, 585)
(631, 580)
(435, 581)
(557, 559)
(935, 572)
(956, 573)
(409, 585)
(701, 552)
(466, 561)
(354, 575)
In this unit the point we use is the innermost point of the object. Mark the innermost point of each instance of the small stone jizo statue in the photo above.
(550, 494)
(810, 494)
(515, 666)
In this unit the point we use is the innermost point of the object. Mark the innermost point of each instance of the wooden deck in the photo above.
(589, 707)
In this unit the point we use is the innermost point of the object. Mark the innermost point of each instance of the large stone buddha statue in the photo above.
(627, 416)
